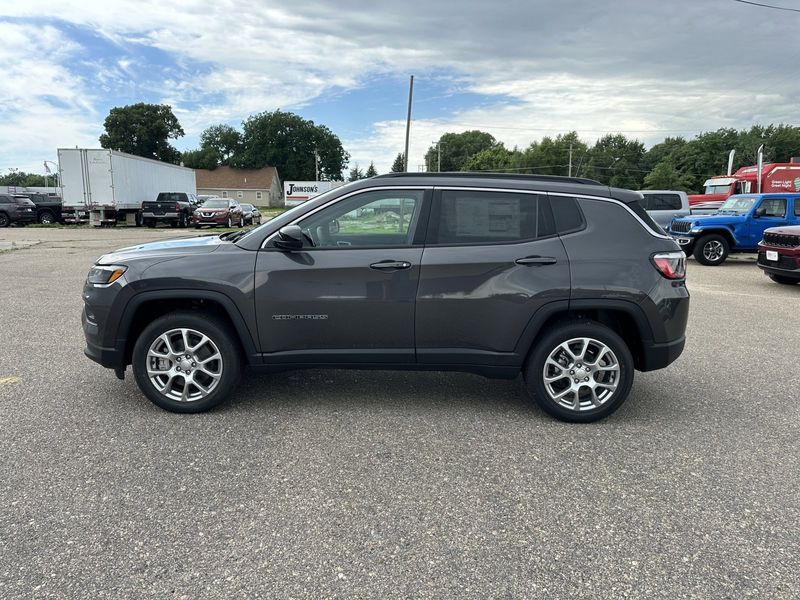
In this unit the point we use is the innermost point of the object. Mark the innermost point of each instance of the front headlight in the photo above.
(105, 274)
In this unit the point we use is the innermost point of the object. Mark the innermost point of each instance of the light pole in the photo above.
(56, 177)
(439, 160)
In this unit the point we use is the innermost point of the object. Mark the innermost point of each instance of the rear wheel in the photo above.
(4, 220)
(151, 223)
(47, 218)
(784, 280)
(230, 223)
(241, 221)
(580, 371)
(186, 362)
(711, 250)
(182, 221)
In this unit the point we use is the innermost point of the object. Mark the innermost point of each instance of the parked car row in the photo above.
(22, 209)
(767, 224)
(179, 209)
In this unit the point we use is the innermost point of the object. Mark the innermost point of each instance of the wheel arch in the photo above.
(723, 231)
(625, 318)
(144, 307)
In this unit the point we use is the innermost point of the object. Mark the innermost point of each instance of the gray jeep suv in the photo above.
(561, 279)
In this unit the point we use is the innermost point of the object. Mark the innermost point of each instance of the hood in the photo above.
(788, 230)
(166, 248)
(714, 219)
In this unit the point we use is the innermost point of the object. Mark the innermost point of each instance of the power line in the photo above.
(797, 10)
(563, 129)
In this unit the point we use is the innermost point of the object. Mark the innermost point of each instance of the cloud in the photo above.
(533, 67)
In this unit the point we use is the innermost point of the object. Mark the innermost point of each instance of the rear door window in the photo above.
(478, 217)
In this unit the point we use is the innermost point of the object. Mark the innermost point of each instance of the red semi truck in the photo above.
(775, 177)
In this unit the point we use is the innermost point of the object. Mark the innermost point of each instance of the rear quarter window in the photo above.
(567, 214)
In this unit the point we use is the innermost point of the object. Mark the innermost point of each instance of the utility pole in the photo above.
(316, 163)
(570, 159)
(408, 121)
(439, 163)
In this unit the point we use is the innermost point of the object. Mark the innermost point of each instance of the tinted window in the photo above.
(797, 207)
(174, 197)
(475, 217)
(662, 202)
(773, 207)
(215, 203)
(369, 220)
(567, 214)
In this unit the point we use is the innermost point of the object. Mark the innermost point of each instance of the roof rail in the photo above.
(479, 175)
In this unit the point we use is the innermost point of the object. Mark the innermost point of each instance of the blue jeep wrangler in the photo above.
(737, 226)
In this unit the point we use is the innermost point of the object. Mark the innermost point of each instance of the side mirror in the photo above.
(289, 237)
(760, 212)
(333, 227)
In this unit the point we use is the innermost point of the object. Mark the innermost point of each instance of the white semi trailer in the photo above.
(106, 187)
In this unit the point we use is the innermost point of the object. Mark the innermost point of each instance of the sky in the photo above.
(519, 69)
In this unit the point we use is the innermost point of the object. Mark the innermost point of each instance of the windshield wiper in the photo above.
(232, 236)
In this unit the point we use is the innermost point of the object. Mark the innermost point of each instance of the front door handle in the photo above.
(391, 265)
(536, 260)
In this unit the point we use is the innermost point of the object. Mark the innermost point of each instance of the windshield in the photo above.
(247, 206)
(215, 204)
(738, 204)
(717, 189)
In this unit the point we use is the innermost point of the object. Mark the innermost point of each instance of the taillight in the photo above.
(177, 207)
(671, 265)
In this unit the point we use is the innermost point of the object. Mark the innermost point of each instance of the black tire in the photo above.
(241, 222)
(600, 335)
(206, 324)
(711, 250)
(151, 223)
(4, 220)
(197, 226)
(784, 280)
(230, 223)
(47, 218)
(182, 223)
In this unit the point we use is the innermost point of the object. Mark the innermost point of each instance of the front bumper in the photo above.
(219, 219)
(787, 265)
(109, 357)
(684, 240)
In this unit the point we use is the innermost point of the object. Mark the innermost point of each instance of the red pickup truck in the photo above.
(775, 177)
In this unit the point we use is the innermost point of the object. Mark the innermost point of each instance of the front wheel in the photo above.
(784, 280)
(230, 223)
(580, 371)
(47, 218)
(711, 250)
(4, 220)
(241, 222)
(186, 362)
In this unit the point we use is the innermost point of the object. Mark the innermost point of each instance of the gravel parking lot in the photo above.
(384, 484)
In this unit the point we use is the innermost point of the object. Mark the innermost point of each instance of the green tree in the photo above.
(144, 130)
(224, 140)
(551, 156)
(371, 170)
(496, 158)
(355, 173)
(456, 149)
(616, 161)
(399, 164)
(202, 158)
(287, 141)
(23, 179)
(666, 177)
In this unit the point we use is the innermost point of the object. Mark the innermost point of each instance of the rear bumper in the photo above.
(660, 355)
(169, 215)
(787, 265)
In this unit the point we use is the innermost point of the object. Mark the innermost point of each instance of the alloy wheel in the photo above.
(581, 374)
(713, 250)
(184, 365)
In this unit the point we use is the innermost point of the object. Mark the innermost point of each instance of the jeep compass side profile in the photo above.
(561, 279)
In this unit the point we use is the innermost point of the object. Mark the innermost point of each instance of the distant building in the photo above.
(261, 187)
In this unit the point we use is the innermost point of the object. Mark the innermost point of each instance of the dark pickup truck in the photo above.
(175, 208)
(48, 208)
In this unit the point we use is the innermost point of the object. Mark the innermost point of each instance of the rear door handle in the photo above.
(391, 265)
(536, 260)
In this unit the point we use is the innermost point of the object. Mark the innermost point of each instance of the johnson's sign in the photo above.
(296, 192)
